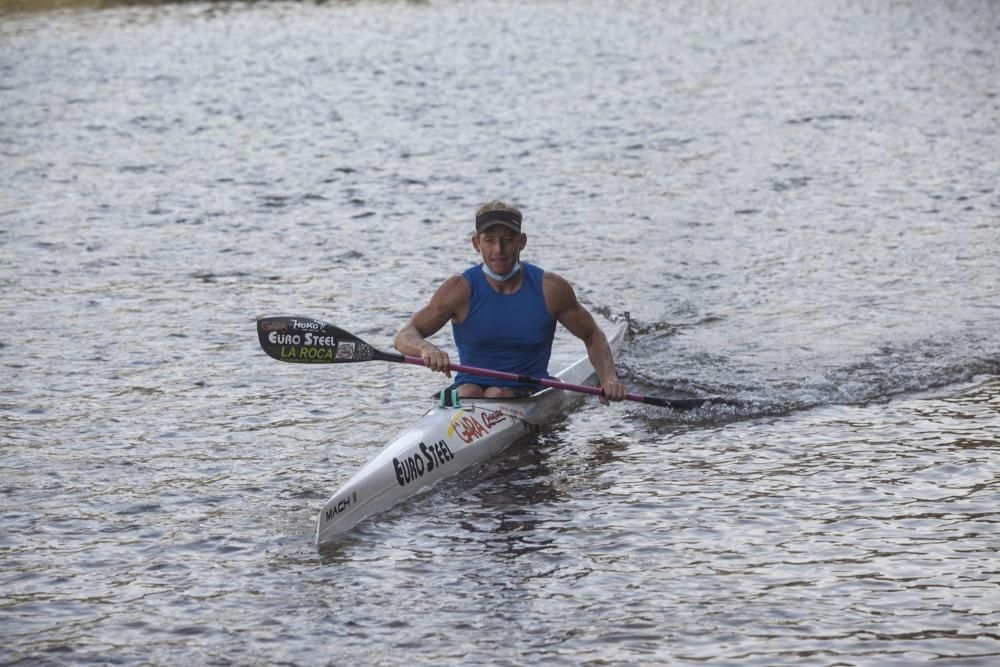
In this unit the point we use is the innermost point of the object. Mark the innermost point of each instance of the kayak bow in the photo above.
(445, 441)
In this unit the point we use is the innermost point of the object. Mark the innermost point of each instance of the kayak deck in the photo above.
(442, 443)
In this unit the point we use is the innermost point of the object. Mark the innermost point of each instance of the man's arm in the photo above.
(563, 304)
(451, 300)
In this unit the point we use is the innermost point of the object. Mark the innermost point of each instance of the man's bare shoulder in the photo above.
(455, 287)
(554, 281)
(452, 298)
(559, 294)
(450, 301)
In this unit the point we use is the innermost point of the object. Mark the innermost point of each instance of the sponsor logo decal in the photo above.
(470, 427)
(345, 351)
(413, 467)
(306, 325)
(344, 503)
(306, 347)
(491, 419)
(273, 325)
(307, 339)
(308, 354)
(466, 427)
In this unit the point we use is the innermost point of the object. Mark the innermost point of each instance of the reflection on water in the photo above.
(795, 201)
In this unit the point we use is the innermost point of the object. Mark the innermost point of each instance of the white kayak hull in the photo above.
(445, 441)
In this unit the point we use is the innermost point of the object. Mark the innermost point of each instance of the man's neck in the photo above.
(508, 286)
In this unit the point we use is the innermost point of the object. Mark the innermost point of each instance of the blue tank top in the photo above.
(505, 332)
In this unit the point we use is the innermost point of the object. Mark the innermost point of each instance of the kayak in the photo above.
(446, 441)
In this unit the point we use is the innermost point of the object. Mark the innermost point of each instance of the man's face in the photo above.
(499, 247)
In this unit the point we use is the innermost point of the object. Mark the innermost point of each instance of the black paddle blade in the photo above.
(685, 404)
(303, 340)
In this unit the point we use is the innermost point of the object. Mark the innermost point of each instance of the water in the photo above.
(798, 205)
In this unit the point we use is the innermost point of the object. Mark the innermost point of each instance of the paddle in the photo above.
(303, 340)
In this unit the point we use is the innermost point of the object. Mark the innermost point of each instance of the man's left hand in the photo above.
(613, 391)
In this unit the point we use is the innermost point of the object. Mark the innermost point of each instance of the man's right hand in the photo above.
(436, 359)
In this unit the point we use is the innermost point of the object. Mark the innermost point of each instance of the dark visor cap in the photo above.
(509, 219)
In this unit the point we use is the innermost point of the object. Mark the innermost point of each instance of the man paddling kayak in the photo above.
(503, 314)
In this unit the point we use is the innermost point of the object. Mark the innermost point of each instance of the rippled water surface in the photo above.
(796, 202)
